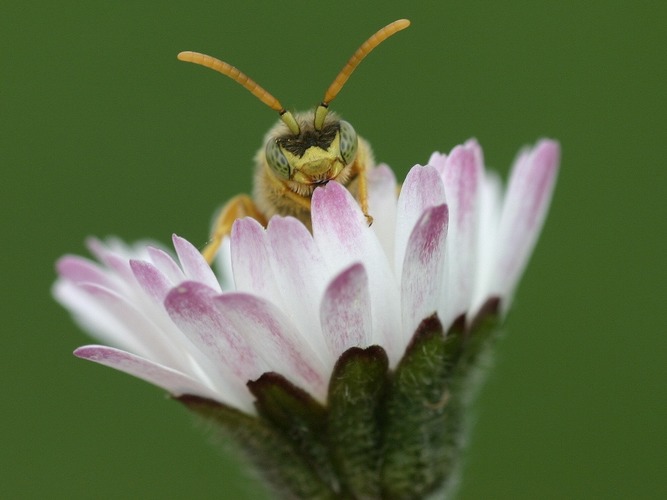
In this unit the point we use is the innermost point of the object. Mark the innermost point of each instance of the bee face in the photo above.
(311, 157)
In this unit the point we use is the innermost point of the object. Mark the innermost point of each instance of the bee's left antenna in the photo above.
(248, 83)
(378, 37)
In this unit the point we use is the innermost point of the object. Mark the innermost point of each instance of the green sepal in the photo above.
(421, 430)
(287, 472)
(298, 416)
(476, 347)
(356, 392)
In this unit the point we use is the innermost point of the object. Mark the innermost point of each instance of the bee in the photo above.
(302, 151)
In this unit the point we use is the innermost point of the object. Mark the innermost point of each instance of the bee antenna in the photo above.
(248, 83)
(365, 49)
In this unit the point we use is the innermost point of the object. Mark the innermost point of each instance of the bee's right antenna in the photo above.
(365, 49)
(243, 79)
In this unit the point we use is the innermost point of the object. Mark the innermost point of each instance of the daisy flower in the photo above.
(288, 308)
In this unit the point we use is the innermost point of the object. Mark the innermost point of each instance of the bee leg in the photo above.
(236, 208)
(363, 191)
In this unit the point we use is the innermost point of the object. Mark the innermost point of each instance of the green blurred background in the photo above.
(104, 132)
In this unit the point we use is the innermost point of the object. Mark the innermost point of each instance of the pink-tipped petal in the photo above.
(165, 263)
(173, 381)
(344, 238)
(223, 265)
(99, 250)
(473, 145)
(191, 306)
(437, 160)
(298, 267)
(422, 189)
(80, 270)
(346, 311)
(382, 193)
(275, 339)
(461, 175)
(423, 269)
(251, 261)
(491, 192)
(526, 202)
(151, 279)
(143, 336)
(93, 316)
(194, 265)
(114, 254)
(337, 219)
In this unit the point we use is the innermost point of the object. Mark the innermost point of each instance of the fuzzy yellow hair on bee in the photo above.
(302, 151)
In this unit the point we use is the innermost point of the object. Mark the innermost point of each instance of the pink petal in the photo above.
(422, 189)
(526, 202)
(344, 238)
(191, 306)
(301, 272)
(423, 269)
(116, 260)
(337, 218)
(275, 339)
(462, 174)
(193, 264)
(346, 311)
(151, 280)
(99, 250)
(251, 261)
(79, 270)
(173, 381)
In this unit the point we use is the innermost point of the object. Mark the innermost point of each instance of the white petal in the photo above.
(382, 193)
(139, 332)
(251, 262)
(166, 264)
(173, 381)
(192, 308)
(223, 265)
(274, 338)
(437, 160)
(193, 263)
(93, 317)
(422, 189)
(490, 207)
(461, 175)
(301, 272)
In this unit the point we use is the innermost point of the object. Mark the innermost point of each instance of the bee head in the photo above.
(317, 146)
(312, 156)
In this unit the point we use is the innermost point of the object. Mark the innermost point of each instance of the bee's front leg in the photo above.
(362, 187)
(236, 208)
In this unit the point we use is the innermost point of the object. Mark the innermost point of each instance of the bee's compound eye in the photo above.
(348, 142)
(276, 160)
